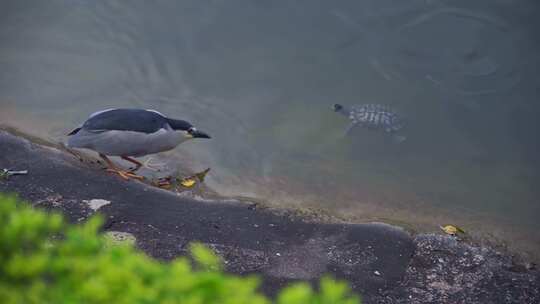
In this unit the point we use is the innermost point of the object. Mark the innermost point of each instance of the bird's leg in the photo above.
(137, 163)
(114, 169)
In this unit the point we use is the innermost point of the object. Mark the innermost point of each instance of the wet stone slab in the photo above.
(383, 263)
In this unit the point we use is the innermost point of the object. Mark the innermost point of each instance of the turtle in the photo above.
(373, 117)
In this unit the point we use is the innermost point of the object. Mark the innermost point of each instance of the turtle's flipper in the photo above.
(398, 139)
(349, 128)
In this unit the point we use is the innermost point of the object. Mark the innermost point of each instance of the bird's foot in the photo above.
(132, 170)
(125, 174)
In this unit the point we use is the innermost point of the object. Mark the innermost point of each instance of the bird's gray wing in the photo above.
(136, 120)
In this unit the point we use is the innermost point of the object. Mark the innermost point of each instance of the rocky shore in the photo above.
(383, 263)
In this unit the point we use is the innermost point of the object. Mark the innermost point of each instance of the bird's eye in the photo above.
(191, 130)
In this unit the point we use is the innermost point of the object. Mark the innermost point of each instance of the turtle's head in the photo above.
(337, 107)
(341, 109)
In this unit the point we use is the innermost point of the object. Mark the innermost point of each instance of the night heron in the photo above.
(131, 133)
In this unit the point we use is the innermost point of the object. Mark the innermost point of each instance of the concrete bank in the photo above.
(383, 263)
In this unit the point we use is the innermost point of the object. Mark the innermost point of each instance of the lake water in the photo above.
(261, 76)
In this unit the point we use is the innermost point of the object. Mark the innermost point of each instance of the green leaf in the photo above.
(45, 260)
(298, 293)
(204, 257)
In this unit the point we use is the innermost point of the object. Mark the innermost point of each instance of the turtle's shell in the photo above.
(376, 116)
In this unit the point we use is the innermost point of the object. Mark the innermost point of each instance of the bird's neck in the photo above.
(178, 137)
(170, 139)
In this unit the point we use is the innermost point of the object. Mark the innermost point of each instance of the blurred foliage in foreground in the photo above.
(45, 260)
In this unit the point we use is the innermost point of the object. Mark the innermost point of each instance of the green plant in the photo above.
(45, 260)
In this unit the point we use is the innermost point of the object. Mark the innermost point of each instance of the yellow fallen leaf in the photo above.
(452, 230)
(188, 182)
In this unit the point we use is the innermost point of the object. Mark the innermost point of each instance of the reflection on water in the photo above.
(261, 77)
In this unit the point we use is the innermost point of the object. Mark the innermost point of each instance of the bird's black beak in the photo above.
(199, 134)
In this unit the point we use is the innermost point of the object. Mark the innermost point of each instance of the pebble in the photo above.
(95, 204)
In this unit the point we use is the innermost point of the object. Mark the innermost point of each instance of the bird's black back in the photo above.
(136, 120)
